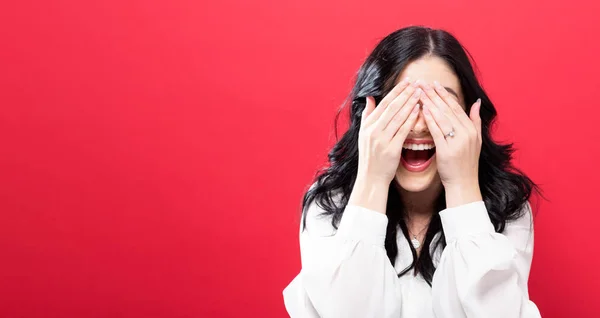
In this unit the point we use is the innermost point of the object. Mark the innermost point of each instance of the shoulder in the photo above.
(520, 231)
(524, 219)
(317, 222)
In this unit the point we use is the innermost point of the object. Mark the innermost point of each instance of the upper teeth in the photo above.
(418, 147)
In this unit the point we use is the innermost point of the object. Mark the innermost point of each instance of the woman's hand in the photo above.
(382, 133)
(457, 153)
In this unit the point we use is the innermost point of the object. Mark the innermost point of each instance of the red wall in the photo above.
(153, 154)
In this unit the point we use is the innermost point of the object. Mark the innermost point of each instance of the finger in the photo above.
(438, 136)
(397, 90)
(441, 104)
(442, 121)
(411, 108)
(452, 103)
(404, 129)
(368, 110)
(408, 98)
(476, 117)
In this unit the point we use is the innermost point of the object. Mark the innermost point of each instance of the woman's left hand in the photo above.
(457, 139)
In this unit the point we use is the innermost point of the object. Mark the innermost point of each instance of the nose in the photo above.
(420, 127)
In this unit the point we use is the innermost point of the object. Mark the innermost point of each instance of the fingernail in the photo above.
(478, 104)
(418, 92)
(407, 79)
(416, 83)
(437, 84)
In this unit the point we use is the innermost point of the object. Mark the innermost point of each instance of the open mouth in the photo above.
(417, 157)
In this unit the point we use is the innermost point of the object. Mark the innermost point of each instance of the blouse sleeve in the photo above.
(483, 273)
(345, 273)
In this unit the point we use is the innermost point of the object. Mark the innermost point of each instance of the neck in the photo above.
(419, 206)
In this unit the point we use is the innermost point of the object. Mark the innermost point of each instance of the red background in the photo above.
(154, 154)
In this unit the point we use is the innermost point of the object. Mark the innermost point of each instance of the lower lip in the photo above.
(417, 168)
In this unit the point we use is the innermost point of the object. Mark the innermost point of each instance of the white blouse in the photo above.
(347, 273)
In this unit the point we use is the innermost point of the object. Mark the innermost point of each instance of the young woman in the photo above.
(420, 213)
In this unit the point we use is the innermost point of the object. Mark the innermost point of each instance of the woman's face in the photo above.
(417, 170)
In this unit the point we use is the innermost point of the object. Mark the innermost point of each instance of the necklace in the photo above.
(415, 241)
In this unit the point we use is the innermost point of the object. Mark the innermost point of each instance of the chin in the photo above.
(417, 181)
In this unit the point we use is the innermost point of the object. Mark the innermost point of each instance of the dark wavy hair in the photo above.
(504, 188)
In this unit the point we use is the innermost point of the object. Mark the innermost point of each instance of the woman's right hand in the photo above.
(383, 130)
(382, 133)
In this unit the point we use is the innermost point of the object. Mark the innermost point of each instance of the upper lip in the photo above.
(419, 141)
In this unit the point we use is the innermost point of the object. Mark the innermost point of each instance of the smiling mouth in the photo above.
(417, 157)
